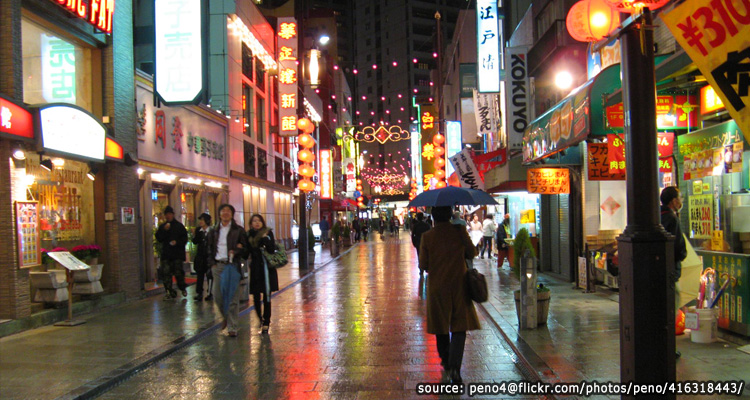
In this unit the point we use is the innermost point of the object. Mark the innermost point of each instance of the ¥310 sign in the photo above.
(96, 12)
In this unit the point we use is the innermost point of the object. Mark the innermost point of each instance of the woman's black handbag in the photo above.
(476, 285)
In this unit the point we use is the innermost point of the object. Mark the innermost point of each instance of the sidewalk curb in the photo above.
(118, 375)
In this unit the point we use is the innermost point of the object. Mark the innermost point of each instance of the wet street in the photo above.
(355, 329)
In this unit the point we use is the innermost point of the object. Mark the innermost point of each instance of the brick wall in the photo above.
(123, 259)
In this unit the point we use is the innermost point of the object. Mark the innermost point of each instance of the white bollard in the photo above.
(528, 292)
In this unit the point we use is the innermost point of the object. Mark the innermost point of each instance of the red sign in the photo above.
(598, 164)
(665, 144)
(616, 154)
(326, 177)
(15, 120)
(97, 12)
(488, 161)
(671, 112)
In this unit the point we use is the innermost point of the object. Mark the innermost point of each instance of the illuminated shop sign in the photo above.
(287, 61)
(489, 37)
(96, 12)
(710, 101)
(15, 121)
(179, 50)
(58, 70)
(71, 130)
(326, 177)
(429, 124)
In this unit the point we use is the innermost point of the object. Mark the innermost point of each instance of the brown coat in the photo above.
(442, 255)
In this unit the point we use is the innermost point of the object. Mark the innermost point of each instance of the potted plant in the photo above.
(47, 261)
(335, 237)
(310, 245)
(94, 253)
(347, 235)
(80, 252)
(521, 244)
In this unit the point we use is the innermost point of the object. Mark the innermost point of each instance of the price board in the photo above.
(548, 180)
(701, 216)
(27, 229)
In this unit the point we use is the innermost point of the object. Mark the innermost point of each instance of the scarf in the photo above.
(256, 236)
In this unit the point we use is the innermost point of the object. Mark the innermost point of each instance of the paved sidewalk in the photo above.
(581, 340)
(53, 362)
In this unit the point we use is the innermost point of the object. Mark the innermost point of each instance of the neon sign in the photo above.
(98, 13)
(326, 177)
(179, 50)
(288, 76)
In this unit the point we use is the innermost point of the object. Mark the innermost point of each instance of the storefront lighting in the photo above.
(19, 154)
(93, 170)
(162, 177)
(216, 185)
(29, 180)
(563, 80)
(191, 181)
(236, 24)
(140, 171)
(58, 162)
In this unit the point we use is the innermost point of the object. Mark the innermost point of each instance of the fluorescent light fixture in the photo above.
(564, 80)
(214, 184)
(162, 177)
(191, 181)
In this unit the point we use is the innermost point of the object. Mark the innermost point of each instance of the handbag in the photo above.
(476, 284)
(278, 258)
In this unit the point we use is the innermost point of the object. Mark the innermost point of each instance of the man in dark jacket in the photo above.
(503, 232)
(200, 264)
(671, 204)
(418, 229)
(173, 237)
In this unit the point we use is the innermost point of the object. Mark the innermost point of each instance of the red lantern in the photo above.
(306, 170)
(591, 20)
(679, 323)
(439, 150)
(438, 139)
(440, 185)
(634, 6)
(360, 199)
(305, 125)
(306, 140)
(440, 174)
(439, 162)
(359, 187)
(306, 156)
(306, 185)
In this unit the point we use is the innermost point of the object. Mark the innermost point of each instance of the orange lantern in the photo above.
(439, 150)
(306, 156)
(591, 20)
(305, 125)
(635, 6)
(440, 185)
(440, 174)
(360, 199)
(306, 140)
(438, 139)
(306, 170)
(359, 181)
(439, 162)
(306, 185)
(679, 323)
(359, 187)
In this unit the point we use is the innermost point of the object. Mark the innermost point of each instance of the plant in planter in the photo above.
(94, 253)
(80, 252)
(336, 237)
(521, 244)
(347, 235)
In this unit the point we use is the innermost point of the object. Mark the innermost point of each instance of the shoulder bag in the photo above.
(476, 283)
(278, 258)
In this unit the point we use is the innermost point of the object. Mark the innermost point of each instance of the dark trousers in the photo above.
(265, 314)
(486, 245)
(170, 268)
(451, 349)
(201, 276)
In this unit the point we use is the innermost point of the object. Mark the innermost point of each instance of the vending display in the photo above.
(27, 226)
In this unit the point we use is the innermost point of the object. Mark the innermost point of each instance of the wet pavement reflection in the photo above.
(354, 329)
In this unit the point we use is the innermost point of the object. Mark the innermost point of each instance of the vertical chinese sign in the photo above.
(27, 228)
(326, 175)
(548, 180)
(287, 37)
(428, 121)
(488, 46)
(178, 48)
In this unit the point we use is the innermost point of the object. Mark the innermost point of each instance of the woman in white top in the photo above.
(475, 230)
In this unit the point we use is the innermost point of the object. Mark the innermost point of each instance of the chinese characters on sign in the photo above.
(98, 13)
(27, 226)
(326, 182)
(178, 46)
(548, 180)
(58, 70)
(487, 111)
(701, 216)
(733, 305)
(616, 154)
(489, 38)
(15, 120)
(429, 124)
(671, 112)
(288, 58)
(599, 166)
(714, 34)
(467, 170)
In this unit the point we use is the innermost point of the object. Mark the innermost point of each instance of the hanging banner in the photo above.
(616, 154)
(517, 88)
(701, 216)
(467, 170)
(287, 60)
(714, 34)
(487, 113)
(548, 180)
(488, 161)
(350, 175)
(598, 164)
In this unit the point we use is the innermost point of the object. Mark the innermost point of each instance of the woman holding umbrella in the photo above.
(263, 280)
(227, 246)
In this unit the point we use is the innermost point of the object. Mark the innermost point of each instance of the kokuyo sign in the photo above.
(516, 97)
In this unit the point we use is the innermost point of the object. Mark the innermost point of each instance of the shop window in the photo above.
(288, 173)
(66, 197)
(254, 202)
(260, 75)
(247, 110)
(249, 151)
(247, 62)
(279, 170)
(260, 117)
(188, 203)
(262, 164)
(56, 68)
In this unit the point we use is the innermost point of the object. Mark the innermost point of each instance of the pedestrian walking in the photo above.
(419, 228)
(382, 226)
(365, 228)
(396, 225)
(475, 231)
(173, 237)
(488, 232)
(324, 228)
(227, 247)
(263, 280)
(671, 205)
(503, 232)
(450, 312)
(457, 220)
(356, 227)
(200, 240)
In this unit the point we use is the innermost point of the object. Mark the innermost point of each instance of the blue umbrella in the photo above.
(452, 196)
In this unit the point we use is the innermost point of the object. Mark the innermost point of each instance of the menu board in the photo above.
(599, 166)
(701, 216)
(548, 180)
(27, 227)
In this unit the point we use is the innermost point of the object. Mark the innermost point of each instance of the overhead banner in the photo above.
(714, 34)
(516, 96)
(548, 180)
(467, 172)
(178, 49)
(488, 161)
(287, 57)
(489, 37)
(487, 113)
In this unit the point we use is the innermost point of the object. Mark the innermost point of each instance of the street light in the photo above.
(323, 40)
(564, 80)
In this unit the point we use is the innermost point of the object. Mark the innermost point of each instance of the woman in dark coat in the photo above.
(260, 237)
(201, 256)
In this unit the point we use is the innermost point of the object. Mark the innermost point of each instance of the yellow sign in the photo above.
(698, 187)
(714, 34)
(528, 216)
(701, 216)
(717, 240)
(706, 187)
(548, 180)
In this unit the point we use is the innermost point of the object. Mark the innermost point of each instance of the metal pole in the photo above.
(647, 341)
(300, 10)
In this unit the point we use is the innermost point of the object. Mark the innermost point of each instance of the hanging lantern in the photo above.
(440, 174)
(635, 6)
(360, 199)
(306, 185)
(306, 170)
(306, 156)
(591, 20)
(359, 181)
(359, 187)
(305, 125)
(440, 185)
(439, 151)
(306, 140)
(439, 162)
(438, 139)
